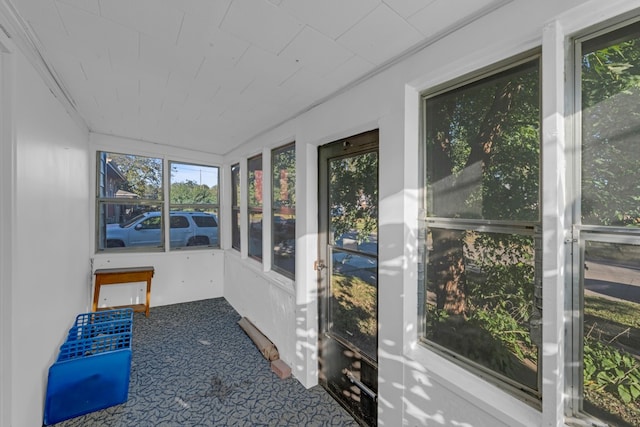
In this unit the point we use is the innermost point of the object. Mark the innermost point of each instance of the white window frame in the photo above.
(163, 202)
(277, 269)
(576, 234)
(522, 228)
(215, 207)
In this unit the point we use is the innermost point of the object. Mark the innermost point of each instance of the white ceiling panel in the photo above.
(349, 71)
(100, 34)
(155, 55)
(151, 17)
(212, 10)
(38, 12)
(271, 68)
(307, 83)
(209, 74)
(380, 35)
(407, 8)
(331, 17)
(442, 15)
(311, 49)
(91, 6)
(197, 32)
(261, 23)
(226, 48)
(56, 40)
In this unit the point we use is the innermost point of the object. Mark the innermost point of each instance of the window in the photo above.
(129, 202)
(130, 207)
(481, 291)
(194, 197)
(254, 194)
(283, 183)
(605, 349)
(235, 206)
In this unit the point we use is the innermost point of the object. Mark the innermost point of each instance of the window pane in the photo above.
(235, 231)
(255, 234)
(129, 225)
(235, 202)
(255, 207)
(235, 185)
(284, 209)
(193, 184)
(353, 304)
(483, 148)
(610, 143)
(354, 215)
(129, 177)
(255, 182)
(194, 226)
(480, 300)
(611, 367)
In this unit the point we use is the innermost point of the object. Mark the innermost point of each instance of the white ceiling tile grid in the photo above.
(211, 74)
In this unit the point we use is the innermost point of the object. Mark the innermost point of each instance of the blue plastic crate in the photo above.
(92, 330)
(104, 316)
(93, 367)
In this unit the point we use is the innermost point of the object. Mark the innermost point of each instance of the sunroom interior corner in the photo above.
(506, 225)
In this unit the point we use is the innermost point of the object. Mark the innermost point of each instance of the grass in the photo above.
(616, 324)
(354, 311)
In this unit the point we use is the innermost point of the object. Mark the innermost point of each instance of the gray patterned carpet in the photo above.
(192, 365)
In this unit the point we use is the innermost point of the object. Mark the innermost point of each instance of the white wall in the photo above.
(275, 298)
(417, 386)
(50, 277)
(7, 192)
(180, 275)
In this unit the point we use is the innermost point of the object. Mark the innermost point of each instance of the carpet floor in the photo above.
(192, 365)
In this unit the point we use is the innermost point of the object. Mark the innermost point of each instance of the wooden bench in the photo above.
(111, 276)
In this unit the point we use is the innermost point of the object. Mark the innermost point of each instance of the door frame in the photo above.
(365, 142)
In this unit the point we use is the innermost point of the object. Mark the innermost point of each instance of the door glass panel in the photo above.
(353, 209)
(353, 303)
(611, 340)
(353, 202)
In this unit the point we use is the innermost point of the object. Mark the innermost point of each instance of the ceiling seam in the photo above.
(384, 66)
(29, 44)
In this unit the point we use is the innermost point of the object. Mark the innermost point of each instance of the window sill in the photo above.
(473, 389)
(276, 279)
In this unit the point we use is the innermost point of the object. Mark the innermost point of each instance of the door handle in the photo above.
(372, 394)
(319, 265)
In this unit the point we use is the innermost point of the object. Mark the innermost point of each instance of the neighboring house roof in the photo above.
(123, 194)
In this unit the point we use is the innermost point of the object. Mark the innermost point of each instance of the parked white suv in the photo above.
(185, 229)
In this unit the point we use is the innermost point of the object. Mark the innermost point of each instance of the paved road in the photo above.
(613, 281)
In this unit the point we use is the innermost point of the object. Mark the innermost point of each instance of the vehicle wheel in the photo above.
(198, 241)
(115, 244)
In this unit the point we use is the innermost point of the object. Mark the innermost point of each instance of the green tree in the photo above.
(483, 156)
(610, 145)
(190, 192)
(143, 175)
(483, 162)
(353, 188)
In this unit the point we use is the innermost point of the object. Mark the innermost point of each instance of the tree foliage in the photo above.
(483, 157)
(353, 189)
(610, 189)
(284, 178)
(190, 192)
(610, 144)
(143, 175)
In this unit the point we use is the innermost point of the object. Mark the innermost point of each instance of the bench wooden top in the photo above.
(124, 270)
